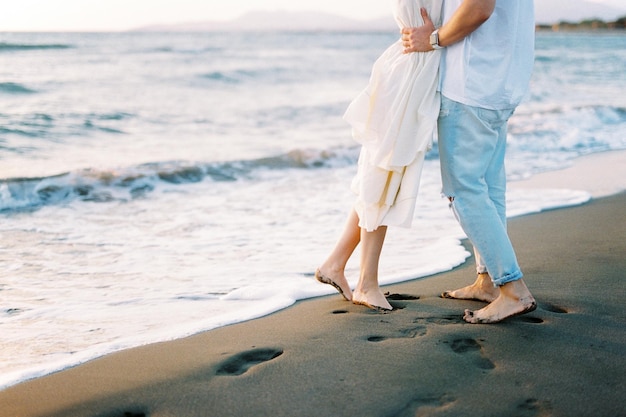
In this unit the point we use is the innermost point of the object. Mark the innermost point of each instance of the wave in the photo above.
(243, 75)
(20, 132)
(124, 184)
(172, 49)
(221, 77)
(15, 88)
(57, 126)
(10, 47)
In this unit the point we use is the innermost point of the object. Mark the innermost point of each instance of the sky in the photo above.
(114, 15)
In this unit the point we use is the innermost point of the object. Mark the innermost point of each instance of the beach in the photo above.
(327, 357)
(200, 178)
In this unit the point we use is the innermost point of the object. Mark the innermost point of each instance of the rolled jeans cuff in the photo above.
(507, 278)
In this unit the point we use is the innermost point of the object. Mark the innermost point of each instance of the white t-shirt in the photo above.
(491, 67)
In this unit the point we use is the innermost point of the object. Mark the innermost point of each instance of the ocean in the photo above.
(156, 185)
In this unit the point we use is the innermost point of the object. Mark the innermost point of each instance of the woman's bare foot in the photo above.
(339, 282)
(514, 299)
(482, 290)
(373, 299)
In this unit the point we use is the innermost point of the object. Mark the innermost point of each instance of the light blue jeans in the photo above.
(472, 144)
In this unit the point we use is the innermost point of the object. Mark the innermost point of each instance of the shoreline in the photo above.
(125, 379)
(601, 174)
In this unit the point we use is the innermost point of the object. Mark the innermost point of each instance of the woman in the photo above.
(394, 119)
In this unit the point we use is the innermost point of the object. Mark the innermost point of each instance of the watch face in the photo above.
(434, 40)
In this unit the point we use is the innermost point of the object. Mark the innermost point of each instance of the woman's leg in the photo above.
(367, 291)
(332, 271)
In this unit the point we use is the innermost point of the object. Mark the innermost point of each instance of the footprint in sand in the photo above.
(413, 332)
(394, 298)
(408, 333)
(376, 339)
(425, 405)
(552, 308)
(532, 407)
(125, 414)
(530, 319)
(452, 319)
(467, 346)
(243, 361)
(401, 297)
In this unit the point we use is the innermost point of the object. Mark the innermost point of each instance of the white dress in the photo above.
(395, 119)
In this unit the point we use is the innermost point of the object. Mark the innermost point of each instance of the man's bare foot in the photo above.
(373, 299)
(339, 282)
(482, 290)
(514, 299)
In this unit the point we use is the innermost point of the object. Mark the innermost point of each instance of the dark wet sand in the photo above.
(327, 357)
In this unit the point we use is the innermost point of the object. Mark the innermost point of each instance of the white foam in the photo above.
(160, 275)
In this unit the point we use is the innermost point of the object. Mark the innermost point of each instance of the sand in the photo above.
(328, 357)
(602, 174)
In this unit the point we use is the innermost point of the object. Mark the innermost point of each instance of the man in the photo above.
(487, 59)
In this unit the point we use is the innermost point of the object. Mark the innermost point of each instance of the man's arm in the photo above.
(467, 18)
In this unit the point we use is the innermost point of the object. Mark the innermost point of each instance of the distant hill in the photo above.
(547, 12)
(555, 11)
(282, 20)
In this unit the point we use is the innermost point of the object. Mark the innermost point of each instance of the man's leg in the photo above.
(470, 145)
(495, 179)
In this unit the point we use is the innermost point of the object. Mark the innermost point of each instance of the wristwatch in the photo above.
(434, 40)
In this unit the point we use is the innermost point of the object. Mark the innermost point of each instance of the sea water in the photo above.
(153, 186)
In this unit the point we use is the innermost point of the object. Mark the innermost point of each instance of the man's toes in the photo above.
(468, 316)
